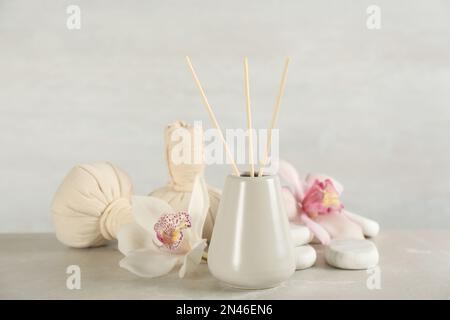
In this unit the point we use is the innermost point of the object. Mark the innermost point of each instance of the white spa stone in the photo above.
(352, 254)
(300, 234)
(370, 228)
(305, 257)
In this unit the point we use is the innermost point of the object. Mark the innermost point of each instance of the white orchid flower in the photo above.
(161, 238)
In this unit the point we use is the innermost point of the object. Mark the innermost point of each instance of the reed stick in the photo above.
(213, 117)
(274, 116)
(249, 118)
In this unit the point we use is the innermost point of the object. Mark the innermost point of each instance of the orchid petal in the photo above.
(289, 174)
(192, 259)
(339, 226)
(133, 237)
(149, 263)
(289, 202)
(311, 178)
(147, 210)
(370, 228)
(198, 209)
(318, 231)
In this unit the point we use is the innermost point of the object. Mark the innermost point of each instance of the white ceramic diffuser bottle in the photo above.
(251, 245)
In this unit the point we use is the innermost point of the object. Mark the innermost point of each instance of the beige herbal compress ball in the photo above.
(184, 142)
(91, 204)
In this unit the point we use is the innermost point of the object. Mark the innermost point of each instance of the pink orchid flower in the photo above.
(316, 202)
(321, 198)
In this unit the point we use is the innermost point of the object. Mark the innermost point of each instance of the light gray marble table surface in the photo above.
(414, 264)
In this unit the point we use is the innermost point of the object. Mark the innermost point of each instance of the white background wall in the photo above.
(370, 108)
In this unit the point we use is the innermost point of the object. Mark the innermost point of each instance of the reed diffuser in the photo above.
(251, 246)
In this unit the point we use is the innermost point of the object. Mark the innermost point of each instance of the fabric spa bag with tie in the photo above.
(91, 204)
(184, 144)
(95, 200)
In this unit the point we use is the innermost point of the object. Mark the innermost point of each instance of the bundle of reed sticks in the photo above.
(249, 118)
